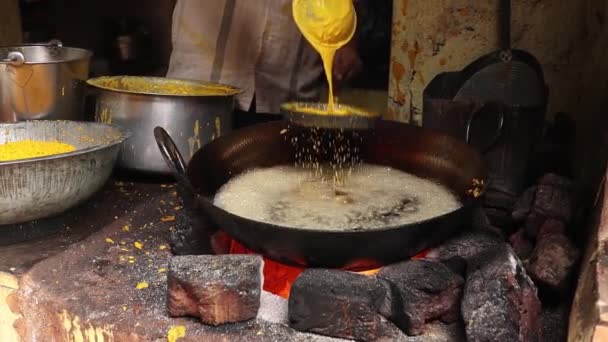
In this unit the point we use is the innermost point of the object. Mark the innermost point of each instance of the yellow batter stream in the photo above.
(327, 25)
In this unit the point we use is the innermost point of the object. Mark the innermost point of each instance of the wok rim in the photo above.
(124, 134)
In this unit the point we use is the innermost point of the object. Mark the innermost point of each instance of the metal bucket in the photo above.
(43, 81)
(139, 104)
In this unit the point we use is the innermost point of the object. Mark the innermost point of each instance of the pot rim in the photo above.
(80, 53)
(230, 90)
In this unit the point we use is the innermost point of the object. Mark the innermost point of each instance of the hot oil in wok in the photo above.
(371, 197)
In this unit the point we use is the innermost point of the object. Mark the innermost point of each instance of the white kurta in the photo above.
(250, 44)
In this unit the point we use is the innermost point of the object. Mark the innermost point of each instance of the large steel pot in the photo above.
(141, 103)
(40, 187)
(43, 81)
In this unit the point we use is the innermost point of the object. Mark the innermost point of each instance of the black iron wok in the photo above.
(405, 147)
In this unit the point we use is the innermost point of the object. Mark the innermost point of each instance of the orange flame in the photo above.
(278, 277)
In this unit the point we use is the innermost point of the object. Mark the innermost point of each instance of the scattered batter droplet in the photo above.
(108, 240)
(175, 332)
(125, 228)
(168, 218)
(138, 245)
(142, 286)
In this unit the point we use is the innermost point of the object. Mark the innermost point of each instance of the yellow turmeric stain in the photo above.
(175, 332)
(218, 126)
(25, 149)
(194, 142)
(142, 286)
(327, 25)
(161, 86)
(105, 116)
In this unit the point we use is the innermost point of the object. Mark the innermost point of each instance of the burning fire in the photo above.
(278, 277)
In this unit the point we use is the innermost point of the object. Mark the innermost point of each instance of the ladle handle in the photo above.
(170, 153)
(176, 163)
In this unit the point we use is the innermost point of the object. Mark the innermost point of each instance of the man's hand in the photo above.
(347, 63)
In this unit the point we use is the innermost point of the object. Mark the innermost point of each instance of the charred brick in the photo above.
(521, 245)
(554, 202)
(552, 226)
(439, 332)
(421, 291)
(523, 206)
(553, 261)
(533, 223)
(465, 245)
(338, 304)
(218, 289)
(457, 264)
(500, 301)
(557, 181)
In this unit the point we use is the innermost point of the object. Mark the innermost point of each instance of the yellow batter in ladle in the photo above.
(327, 25)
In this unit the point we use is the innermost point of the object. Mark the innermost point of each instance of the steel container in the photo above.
(41, 187)
(193, 120)
(43, 81)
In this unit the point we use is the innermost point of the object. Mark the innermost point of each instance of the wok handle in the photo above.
(170, 153)
(176, 163)
(501, 123)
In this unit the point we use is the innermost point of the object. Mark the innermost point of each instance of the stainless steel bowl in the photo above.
(43, 81)
(142, 103)
(41, 187)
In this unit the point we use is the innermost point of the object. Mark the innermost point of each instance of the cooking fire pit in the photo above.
(120, 283)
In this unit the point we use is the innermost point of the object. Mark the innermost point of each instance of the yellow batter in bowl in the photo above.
(25, 149)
